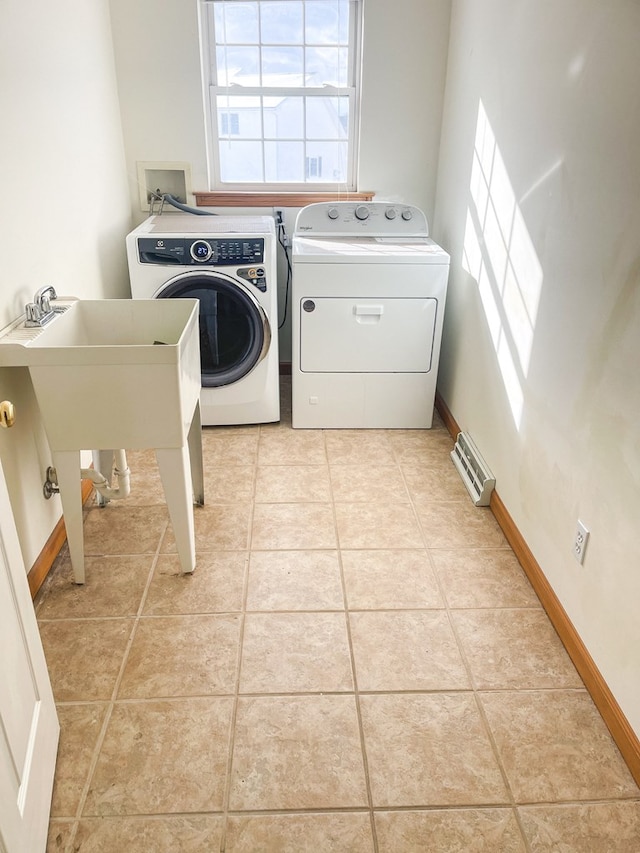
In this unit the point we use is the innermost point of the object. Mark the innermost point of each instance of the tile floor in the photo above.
(357, 664)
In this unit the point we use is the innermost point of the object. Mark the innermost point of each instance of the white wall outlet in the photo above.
(580, 542)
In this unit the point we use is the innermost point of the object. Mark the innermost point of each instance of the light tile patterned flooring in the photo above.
(358, 664)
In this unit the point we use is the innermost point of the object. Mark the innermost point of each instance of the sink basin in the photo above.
(102, 330)
(117, 373)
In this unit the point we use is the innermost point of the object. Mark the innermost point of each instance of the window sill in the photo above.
(274, 199)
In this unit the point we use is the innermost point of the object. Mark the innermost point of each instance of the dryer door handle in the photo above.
(368, 309)
(368, 314)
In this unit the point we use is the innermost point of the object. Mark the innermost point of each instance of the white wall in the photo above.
(542, 333)
(404, 62)
(64, 209)
(157, 53)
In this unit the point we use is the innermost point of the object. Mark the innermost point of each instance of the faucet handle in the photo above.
(33, 314)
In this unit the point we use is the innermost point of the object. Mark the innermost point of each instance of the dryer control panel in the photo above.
(213, 251)
(371, 219)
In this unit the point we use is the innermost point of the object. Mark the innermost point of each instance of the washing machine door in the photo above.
(234, 330)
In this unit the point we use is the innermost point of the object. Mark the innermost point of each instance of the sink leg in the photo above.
(195, 455)
(67, 465)
(175, 473)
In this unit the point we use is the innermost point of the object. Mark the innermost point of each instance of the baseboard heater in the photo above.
(475, 474)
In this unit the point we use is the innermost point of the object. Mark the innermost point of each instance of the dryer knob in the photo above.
(362, 212)
(390, 213)
(333, 213)
(407, 215)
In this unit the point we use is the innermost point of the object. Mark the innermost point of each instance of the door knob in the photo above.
(7, 414)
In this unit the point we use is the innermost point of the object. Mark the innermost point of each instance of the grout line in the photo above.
(111, 702)
(363, 749)
(475, 691)
(472, 682)
(234, 710)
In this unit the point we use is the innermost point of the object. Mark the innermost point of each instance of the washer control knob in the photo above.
(362, 212)
(333, 213)
(407, 214)
(308, 305)
(390, 213)
(200, 251)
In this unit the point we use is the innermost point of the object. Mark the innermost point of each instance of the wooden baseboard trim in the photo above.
(447, 418)
(42, 566)
(626, 739)
(624, 736)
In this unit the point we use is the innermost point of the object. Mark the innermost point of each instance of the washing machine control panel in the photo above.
(212, 251)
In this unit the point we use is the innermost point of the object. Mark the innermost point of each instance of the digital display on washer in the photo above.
(218, 251)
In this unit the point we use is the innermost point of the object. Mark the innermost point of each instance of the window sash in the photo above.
(261, 93)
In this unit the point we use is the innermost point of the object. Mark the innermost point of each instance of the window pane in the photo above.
(326, 66)
(327, 22)
(241, 162)
(236, 23)
(282, 66)
(281, 22)
(289, 57)
(326, 161)
(247, 108)
(283, 118)
(327, 118)
(239, 65)
(284, 162)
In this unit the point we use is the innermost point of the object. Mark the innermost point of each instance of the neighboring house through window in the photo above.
(229, 124)
(314, 167)
(283, 92)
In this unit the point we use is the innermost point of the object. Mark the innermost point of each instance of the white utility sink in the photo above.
(118, 374)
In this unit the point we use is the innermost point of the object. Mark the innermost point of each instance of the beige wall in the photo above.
(538, 203)
(64, 208)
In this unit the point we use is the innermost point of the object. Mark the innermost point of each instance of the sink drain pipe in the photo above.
(101, 484)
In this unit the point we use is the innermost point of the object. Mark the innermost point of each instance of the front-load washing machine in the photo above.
(368, 295)
(229, 264)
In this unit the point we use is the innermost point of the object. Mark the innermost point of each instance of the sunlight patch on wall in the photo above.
(499, 254)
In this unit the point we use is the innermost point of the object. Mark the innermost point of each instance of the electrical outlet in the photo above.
(580, 542)
(278, 215)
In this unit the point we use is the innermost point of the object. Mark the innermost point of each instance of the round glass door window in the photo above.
(234, 334)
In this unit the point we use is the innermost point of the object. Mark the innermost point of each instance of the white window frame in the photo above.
(212, 91)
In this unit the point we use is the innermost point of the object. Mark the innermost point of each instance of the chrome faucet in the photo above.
(40, 311)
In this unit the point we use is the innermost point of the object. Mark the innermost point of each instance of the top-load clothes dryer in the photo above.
(368, 296)
(229, 264)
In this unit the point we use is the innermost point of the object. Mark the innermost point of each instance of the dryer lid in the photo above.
(369, 250)
(187, 225)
